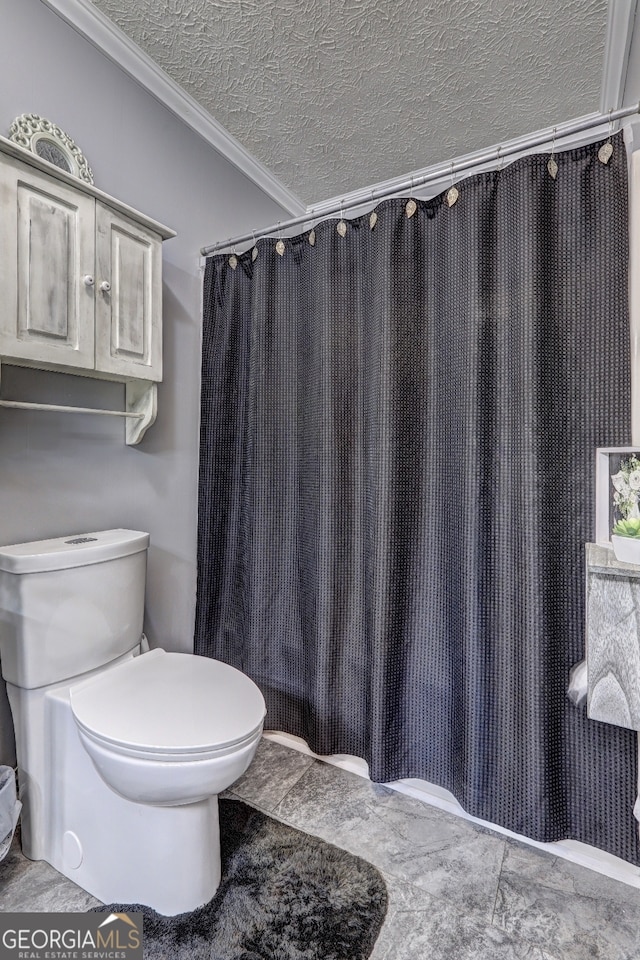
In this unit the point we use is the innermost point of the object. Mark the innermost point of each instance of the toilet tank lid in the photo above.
(75, 550)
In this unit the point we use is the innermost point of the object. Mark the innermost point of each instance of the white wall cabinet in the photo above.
(80, 282)
(128, 285)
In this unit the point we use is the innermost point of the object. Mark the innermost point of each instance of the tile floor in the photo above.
(456, 890)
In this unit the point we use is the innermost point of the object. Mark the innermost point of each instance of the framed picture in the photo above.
(617, 488)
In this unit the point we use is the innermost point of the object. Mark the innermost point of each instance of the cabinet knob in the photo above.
(105, 286)
(88, 280)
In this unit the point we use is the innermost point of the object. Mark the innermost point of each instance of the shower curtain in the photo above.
(399, 421)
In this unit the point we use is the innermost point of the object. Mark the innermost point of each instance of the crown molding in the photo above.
(92, 24)
(620, 22)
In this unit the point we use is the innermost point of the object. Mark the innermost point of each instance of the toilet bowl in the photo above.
(121, 754)
(169, 728)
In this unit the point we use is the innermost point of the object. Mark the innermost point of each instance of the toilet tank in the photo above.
(70, 605)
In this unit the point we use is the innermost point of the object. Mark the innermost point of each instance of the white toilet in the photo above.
(120, 755)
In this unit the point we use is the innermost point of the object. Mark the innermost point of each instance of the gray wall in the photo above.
(62, 474)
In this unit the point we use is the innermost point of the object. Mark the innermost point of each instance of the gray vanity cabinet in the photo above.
(613, 638)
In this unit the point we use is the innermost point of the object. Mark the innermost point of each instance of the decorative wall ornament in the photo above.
(50, 143)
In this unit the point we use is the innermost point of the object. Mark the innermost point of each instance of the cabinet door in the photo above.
(128, 297)
(47, 260)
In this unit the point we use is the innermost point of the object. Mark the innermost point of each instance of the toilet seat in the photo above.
(169, 706)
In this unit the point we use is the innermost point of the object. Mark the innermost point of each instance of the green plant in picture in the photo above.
(626, 484)
(628, 528)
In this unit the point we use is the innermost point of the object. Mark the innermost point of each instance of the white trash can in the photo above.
(10, 808)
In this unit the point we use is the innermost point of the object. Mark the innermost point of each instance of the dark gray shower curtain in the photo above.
(396, 484)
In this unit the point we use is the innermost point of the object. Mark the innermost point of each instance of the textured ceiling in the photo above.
(332, 95)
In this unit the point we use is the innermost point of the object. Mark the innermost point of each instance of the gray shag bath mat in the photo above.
(283, 896)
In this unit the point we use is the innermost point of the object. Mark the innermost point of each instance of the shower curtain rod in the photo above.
(435, 173)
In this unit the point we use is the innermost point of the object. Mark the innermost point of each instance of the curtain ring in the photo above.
(373, 218)
(452, 192)
(342, 227)
(606, 150)
(411, 206)
(312, 233)
(552, 166)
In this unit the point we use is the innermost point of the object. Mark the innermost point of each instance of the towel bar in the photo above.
(26, 405)
(141, 406)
